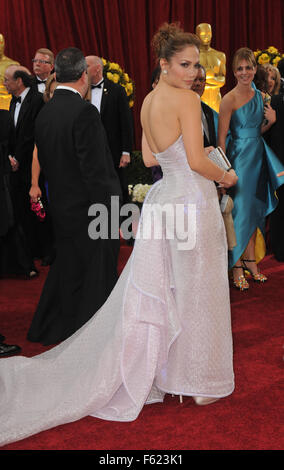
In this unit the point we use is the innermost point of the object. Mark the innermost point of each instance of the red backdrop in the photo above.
(121, 30)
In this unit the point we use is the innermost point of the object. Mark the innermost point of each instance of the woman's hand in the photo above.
(35, 193)
(230, 179)
(269, 114)
(281, 173)
(208, 150)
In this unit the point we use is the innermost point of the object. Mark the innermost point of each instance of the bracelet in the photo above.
(221, 179)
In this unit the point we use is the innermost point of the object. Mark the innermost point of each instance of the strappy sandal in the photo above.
(258, 277)
(241, 283)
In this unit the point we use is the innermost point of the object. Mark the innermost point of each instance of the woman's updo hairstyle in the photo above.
(170, 39)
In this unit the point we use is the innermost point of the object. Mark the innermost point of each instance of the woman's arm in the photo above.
(148, 157)
(225, 114)
(35, 191)
(190, 120)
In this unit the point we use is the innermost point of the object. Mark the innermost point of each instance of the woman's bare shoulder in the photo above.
(187, 94)
(230, 96)
(185, 100)
(228, 100)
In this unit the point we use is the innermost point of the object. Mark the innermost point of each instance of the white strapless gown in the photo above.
(165, 328)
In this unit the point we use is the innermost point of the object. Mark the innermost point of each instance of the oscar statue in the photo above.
(5, 61)
(214, 63)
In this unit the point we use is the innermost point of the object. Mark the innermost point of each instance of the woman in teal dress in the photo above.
(242, 111)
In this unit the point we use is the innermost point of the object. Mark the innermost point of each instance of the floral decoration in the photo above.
(116, 74)
(138, 192)
(270, 55)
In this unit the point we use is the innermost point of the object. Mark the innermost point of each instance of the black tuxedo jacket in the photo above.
(22, 136)
(6, 213)
(117, 120)
(211, 128)
(75, 158)
(274, 136)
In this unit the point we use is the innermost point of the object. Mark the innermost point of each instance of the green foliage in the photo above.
(137, 172)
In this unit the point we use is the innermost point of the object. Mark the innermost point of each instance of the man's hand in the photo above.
(124, 160)
(14, 163)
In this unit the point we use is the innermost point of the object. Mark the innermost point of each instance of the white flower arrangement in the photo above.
(138, 192)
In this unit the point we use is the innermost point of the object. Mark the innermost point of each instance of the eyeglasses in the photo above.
(41, 61)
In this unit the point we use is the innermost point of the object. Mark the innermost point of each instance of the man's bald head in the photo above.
(95, 68)
(17, 78)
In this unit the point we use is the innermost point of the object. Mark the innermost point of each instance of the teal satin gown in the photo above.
(256, 166)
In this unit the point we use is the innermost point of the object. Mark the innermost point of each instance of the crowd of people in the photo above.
(130, 340)
(28, 235)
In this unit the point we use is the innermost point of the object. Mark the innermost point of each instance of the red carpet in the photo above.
(250, 419)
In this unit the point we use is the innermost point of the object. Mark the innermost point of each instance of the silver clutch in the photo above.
(219, 158)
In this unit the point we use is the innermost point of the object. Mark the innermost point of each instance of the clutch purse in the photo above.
(219, 158)
(38, 209)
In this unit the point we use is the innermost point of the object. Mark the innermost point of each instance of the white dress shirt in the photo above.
(41, 86)
(97, 94)
(18, 105)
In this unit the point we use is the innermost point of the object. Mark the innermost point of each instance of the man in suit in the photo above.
(15, 257)
(74, 155)
(275, 139)
(24, 108)
(112, 104)
(208, 115)
(43, 64)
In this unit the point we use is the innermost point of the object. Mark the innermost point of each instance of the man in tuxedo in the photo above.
(208, 115)
(111, 101)
(15, 257)
(74, 155)
(275, 139)
(24, 108)
(43, 64)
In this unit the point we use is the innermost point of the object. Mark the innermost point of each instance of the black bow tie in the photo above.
(40, 81)
(17, 100)
(99, 85)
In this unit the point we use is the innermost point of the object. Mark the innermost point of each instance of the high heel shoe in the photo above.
(180, 398)
(240, 283)
(257, 277)
(204, 400)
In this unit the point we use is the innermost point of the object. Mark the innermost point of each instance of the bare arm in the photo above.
(190, 120)
(35, 191)
(148, 157)
(225, 113)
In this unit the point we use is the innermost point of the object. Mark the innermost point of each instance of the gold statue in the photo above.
(214, 63)
(5, 61)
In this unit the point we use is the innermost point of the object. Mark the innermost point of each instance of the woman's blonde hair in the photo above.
(170, 39)
(244, 53)
(49, 82)
(271, 68)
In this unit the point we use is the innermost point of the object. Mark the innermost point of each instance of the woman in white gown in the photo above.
(166, 327)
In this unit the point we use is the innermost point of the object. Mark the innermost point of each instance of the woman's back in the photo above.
(159, 115)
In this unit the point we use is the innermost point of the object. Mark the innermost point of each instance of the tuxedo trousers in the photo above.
(78, 283)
